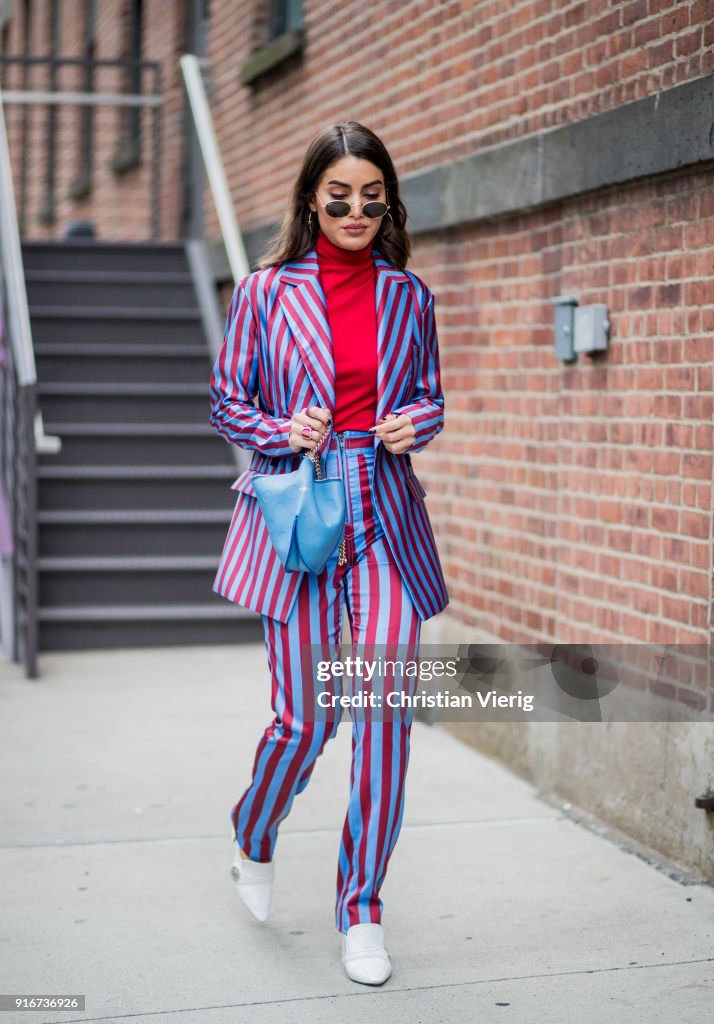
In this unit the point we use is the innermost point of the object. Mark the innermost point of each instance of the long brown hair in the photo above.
(295, 237)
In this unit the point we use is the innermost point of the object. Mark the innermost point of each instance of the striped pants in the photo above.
(380, 613)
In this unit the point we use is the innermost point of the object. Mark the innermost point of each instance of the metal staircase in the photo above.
(133, 512)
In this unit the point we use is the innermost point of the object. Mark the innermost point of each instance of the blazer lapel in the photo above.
(305, 310)
(396, 324)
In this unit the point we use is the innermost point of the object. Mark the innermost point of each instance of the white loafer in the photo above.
(364, 954)
(254, 884)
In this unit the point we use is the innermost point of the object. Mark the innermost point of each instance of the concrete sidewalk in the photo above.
(118, 771)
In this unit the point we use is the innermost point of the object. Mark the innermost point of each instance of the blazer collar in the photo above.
(305, 309)
(307, 267)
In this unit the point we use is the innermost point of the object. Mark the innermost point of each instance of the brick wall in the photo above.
(440, 80)
(571, 502)
(575, 502)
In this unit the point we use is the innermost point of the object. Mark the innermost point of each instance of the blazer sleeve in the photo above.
(234, 385)
(426, 408)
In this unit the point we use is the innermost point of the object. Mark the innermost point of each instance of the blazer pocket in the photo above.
(244, 483)
(415, 486)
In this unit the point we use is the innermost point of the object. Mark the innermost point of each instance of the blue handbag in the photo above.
(304, 513)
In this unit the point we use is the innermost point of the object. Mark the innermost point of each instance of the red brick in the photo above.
(675, 21)
(644, 32)
(688, 42)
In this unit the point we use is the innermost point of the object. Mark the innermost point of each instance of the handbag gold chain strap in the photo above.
(314, 455)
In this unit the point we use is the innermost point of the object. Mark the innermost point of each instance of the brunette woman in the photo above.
(338, 341)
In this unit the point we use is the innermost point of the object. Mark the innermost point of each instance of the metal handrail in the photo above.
(13, 270)
(26, 434)
(198, 101)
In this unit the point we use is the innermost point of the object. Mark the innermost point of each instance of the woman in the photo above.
(339, 343)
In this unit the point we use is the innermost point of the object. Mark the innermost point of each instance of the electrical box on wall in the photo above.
(579, 328)
(592, 328)
(564, 347)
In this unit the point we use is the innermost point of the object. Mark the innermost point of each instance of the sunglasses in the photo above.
(341, 208)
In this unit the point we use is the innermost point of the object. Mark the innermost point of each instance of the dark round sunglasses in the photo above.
(341, 208)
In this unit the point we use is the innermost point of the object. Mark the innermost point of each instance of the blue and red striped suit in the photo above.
(277, 346)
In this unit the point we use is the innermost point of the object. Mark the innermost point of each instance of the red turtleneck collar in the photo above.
(330, 253)
(348, 278)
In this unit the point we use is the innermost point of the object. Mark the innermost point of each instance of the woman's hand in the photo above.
(313, 416)
(396, 433)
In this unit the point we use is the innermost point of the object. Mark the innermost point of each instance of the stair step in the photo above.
(89, 254)
(134, 401)
(136, 443)
(115, 313)
(83, 627)
(92, 363)
(123, 388)
(165, 563)
(133, 533)
(115, 580)
(130, 515)
(50, 472)
(125, 613)
(141, 486)
(101, 330)
(122, 277)
(133, 429)
(102, 288)
(98, 245)
(117, 348)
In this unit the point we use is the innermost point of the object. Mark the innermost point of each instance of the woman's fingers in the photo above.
(398, 434)
(394, 428)
(317, 412)
(314, 417)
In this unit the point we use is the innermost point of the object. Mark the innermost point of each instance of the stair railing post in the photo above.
(28, 434)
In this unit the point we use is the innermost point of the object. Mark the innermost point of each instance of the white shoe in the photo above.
(254, 883)
(364, 954)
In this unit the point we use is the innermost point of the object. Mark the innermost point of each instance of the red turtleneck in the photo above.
(348, 279)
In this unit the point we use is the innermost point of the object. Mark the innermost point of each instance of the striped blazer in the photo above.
(277, 346)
